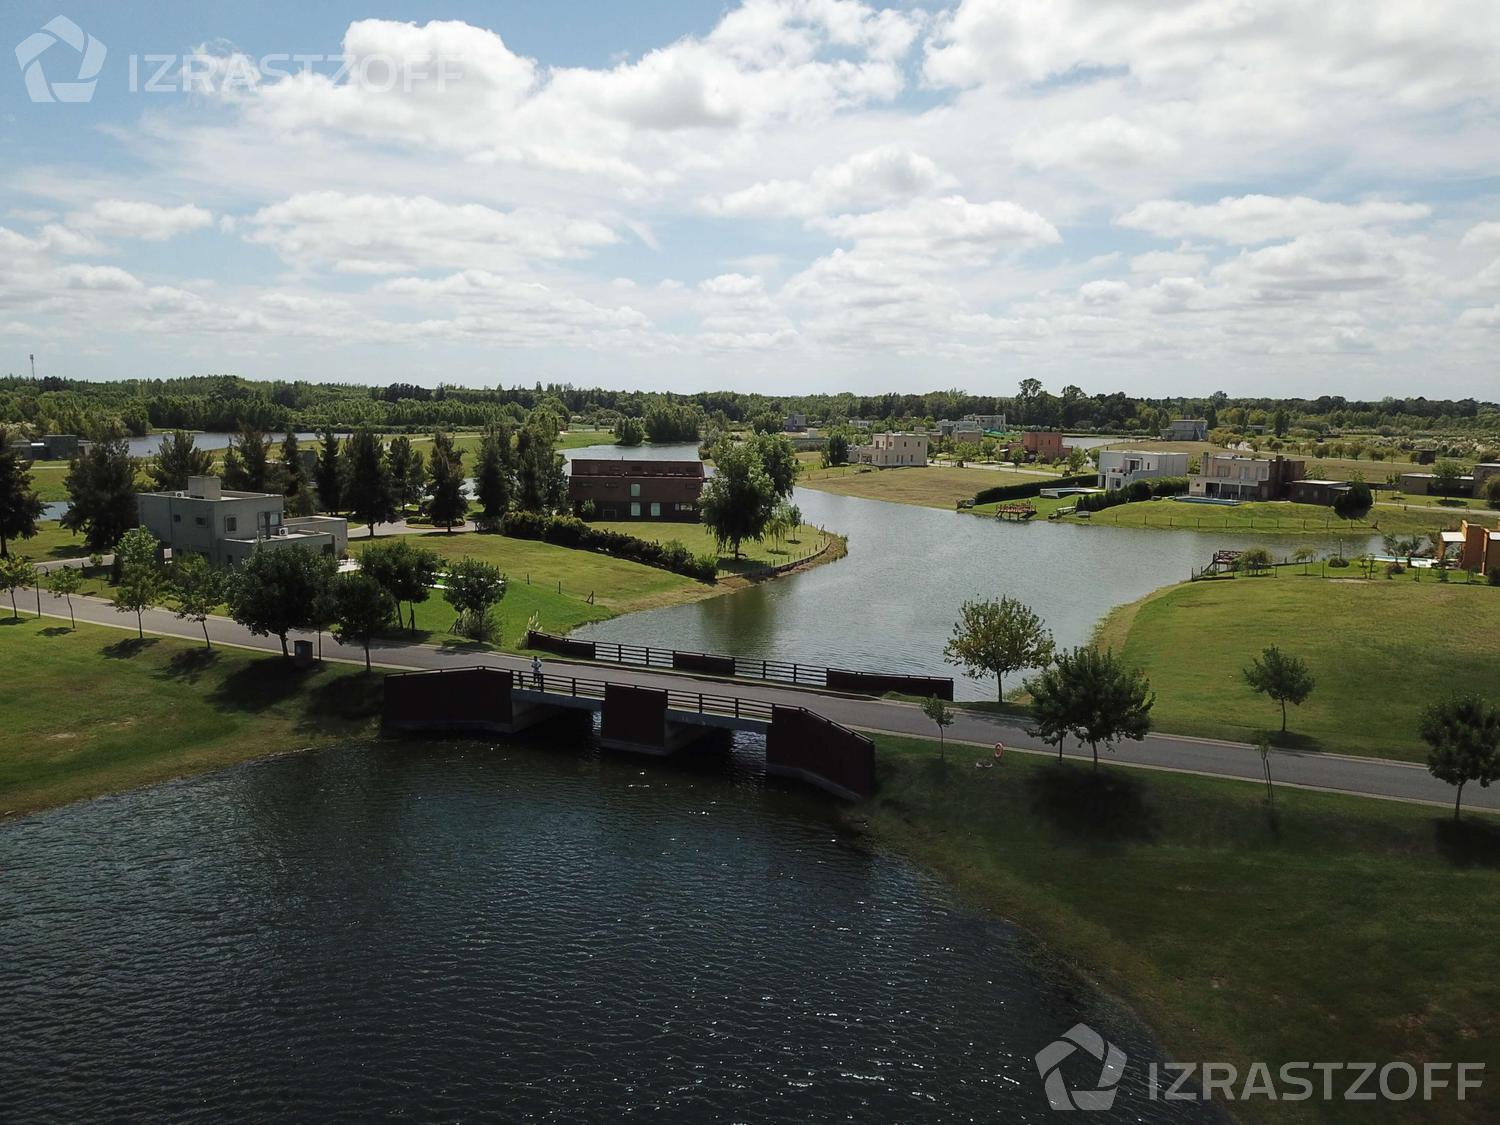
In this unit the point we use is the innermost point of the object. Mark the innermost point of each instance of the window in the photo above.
(635, 511)
(635, 490)
(655, 509)
(607, 513)
(176, 517)
(231, 524)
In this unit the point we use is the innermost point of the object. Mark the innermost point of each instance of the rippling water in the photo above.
(464, 931)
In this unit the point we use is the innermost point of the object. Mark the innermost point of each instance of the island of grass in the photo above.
(1318, 927)
(1264, 517)
(1381, 649)
(934, 486)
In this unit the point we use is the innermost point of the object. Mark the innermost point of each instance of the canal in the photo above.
(446, 931)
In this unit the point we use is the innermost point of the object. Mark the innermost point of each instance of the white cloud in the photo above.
(1249, 219)
(950, 228)
(123, 218)
(878, 176)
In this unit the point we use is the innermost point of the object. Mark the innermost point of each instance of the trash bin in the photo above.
(302, 654)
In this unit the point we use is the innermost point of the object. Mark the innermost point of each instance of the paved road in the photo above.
(1364, 776)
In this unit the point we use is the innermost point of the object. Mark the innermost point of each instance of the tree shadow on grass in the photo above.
(260, 684)
(335, 703)
(1102, 808)
(190, 664)
(129, 648)
(1473, 842)
(56, 631)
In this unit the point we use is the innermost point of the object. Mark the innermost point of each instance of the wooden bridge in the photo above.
(647, 720)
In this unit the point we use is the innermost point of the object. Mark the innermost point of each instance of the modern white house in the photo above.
(225, 527)
(1119, 468)
(889, 451)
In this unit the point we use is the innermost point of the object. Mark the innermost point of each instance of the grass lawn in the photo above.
(47, 478)
(930, 487)
(468, 442)
(98, 711)
(700, 541)
(1380, 650)
(1330, 928)
(52, 541)
(1271, 517)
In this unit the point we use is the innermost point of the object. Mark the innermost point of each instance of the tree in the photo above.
(247, 461)
(445, 474)
(630, 431)
(1304, 555)
(1279, 421)
(367, 492)
(328, 475)
(1492, 492)
(837, 450)
(64, 582)
(141, 582)
(1354, 503)
(198, 587)
(494, 473)
(177, 459)
(941, 714)
(993, 638)
(737, 500)
(1093, 696)
(20, 506)
(780, 461)
(541, 485)
(398, 460)
(295, 485)
(1447, 478)
(101, 494)
(1282, 677)
(276, 590)
(1464, 733)
(16, 572)
(405, 571)
(361, 608)
(473, 588)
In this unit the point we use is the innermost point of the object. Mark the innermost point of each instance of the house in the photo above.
(794, 423)
(963, 430)
(623, 489)
(1325, 492)
(891, 450)
(1478, 547)
(987, 422)
(1424, 455)
(1232, 476)
(1044, 445)
(1421, 484)
(1119, 468)
(225, 527)
(51, 447)
(1186, 429)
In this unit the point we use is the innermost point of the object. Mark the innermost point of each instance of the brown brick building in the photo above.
(636, 490)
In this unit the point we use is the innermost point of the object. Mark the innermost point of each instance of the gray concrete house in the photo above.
(225, 527)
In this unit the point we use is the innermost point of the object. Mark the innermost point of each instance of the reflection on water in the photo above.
(468, 931)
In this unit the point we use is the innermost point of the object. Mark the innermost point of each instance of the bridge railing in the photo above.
(703, 703)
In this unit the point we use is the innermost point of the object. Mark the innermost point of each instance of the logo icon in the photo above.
(1080, 1037)
(91, 54)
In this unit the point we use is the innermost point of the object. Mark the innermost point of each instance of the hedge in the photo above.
(570, 531)
(1032, 488)
(1132, 493)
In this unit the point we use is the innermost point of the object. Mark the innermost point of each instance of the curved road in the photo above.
(1369, 777)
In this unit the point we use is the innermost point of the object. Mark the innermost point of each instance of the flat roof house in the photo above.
(1044, 445)
(1478, 546)
(1325, 492)
(1231, 476)
(890, 451)
(622, 489)
(1186, 429)
(225, 527)
(1120, 468)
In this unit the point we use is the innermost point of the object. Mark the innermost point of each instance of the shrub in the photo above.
(1338, 562)
(1492, 492)
(569, 531)
(1133, 493)
(1030, 488)
(1356, 502)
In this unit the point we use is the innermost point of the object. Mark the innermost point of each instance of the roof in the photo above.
(1310, 480)
(624, 467)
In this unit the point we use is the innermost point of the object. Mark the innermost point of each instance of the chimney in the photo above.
(204, 488)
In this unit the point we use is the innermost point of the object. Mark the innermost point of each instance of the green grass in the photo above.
(1270, 517)
(47, 478)
(1380, 650)
(468, 442)
(931, 487)
(754, 555)
(96, 711)
(555, 613)
(1328, 928)
(52, 541)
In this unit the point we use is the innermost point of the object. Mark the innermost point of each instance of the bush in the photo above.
(1492, 492)
(1338, 562)
(1356, 502)
(570, 531)
(1031, 488)
(1133, 493)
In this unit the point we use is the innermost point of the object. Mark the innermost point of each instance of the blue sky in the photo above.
(781, 194)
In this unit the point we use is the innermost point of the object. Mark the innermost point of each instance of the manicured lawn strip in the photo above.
(98, 711)
(930, 487)
(52, 541)
(1265, 517)
(700, 541)
(555, 613)
(47, 478)
(1381, 650)
(1335, 928)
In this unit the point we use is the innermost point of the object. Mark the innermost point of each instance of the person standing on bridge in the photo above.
(536, 672)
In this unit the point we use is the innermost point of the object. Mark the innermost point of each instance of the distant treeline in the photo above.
(227, 402)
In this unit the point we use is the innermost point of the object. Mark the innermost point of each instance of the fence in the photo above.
(773, 671)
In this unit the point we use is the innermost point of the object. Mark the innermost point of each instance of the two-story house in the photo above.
(225, 527)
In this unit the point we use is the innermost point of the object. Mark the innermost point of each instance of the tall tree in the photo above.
(20, 506)
(399, 459)
(141, 583)
(361, 608)
(101, 494)
(278, 589)
(780, 461)
(737, 501)
(329, 480)
(494, 473)
(407, 571)
(1093, 696)
(247, 461)
(1281, 677)
(296, 483)
(1464, 734)
(541, 484)
(837, 451)
(198, 587)
(995, 638)
(177, 458)
(445, 476)
(368, 495)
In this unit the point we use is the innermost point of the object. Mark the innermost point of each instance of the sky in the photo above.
(1166, 197)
